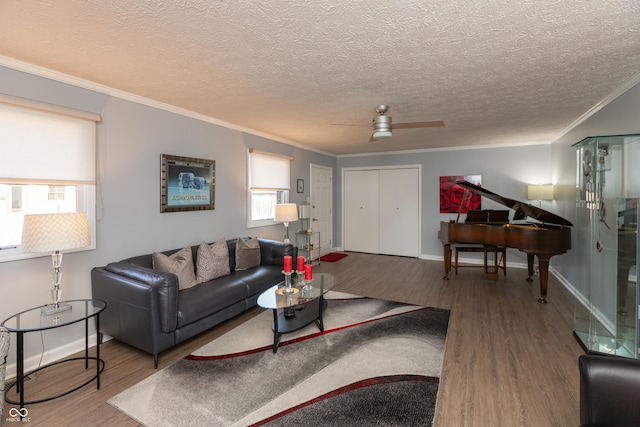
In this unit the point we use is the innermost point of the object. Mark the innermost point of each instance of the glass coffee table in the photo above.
(299, 309)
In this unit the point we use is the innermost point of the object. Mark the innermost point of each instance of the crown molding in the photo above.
(600, 105)
(117, 93)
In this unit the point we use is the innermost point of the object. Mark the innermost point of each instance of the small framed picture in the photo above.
(301, 186)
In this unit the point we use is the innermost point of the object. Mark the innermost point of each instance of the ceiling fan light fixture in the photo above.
(381, 134)
(381, 127)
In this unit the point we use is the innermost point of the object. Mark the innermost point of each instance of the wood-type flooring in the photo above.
(509, 360)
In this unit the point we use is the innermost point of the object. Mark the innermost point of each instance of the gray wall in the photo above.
(621, 116)
(506, 171)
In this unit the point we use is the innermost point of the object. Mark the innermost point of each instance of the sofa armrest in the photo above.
(140, 287)
(273, 252)
(609, 390)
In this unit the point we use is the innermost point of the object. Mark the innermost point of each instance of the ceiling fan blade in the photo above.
(429, 124)
(348, 124)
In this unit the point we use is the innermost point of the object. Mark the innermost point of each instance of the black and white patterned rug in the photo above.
(377, 363)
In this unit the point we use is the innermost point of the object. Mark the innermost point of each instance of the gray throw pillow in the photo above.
(212, 261)
(180, 264)
(247, 253)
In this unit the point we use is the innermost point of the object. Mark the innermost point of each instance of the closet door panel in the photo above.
(399, 212)
(361, 211)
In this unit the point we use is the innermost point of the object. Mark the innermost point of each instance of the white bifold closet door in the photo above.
(361, 211)
(399, 221)
(382, 211)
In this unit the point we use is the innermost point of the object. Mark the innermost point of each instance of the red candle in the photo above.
(307, 272)
(300, 263)
(287, 263)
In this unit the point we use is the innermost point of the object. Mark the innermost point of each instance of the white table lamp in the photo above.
(55, 232)
(286, 213)
(540, 192)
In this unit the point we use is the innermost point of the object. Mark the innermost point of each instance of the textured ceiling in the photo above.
(496, 71)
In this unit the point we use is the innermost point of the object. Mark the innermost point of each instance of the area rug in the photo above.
(333, 257)
(377, 363)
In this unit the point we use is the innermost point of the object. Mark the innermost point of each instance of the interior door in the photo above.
(399, 212)
(321, 200)
(361, 211)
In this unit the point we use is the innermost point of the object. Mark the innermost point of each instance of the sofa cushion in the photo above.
(209, 297)
(179, 263)
(212, 261)
(247, 253)
(260, 279)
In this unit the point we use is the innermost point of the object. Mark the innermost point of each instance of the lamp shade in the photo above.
(304, 211)
(540, 192)
(55, 232)
(286, 212)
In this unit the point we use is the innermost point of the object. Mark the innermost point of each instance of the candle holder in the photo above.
(288, 289)
(300, 282)
(308, 285)
(307, 290)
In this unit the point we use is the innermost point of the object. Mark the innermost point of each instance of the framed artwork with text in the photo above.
(186, 184)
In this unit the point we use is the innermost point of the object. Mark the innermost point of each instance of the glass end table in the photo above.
(34, 320)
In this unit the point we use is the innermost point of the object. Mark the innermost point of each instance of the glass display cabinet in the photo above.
(608, 186)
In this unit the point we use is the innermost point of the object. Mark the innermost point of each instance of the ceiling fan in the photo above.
(382, 126)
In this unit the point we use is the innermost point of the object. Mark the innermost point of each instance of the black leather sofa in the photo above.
(146, 309)
(609, 391)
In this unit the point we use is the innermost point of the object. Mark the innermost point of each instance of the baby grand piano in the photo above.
(549, 236)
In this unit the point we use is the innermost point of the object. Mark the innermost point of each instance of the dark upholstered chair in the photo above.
(609, 391)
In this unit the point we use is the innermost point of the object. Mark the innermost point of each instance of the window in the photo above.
(47, 165)
(263, 203)
(16, 198)
(269, 181)
(56, 192)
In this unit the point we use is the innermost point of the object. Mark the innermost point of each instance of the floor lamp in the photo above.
(55, 232)
(286, 213)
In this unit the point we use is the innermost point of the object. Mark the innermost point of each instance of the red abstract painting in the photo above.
(454, 198)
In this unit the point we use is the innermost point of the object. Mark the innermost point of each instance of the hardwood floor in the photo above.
(509, 360)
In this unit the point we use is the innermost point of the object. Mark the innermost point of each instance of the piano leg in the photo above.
(447, 261)
(490, 262)
(530, 259)
(543, 263)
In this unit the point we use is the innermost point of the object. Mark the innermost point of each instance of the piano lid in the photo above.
(522, 210)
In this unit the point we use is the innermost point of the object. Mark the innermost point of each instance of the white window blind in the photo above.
(47, 165)
(45, 146)
(269, 171)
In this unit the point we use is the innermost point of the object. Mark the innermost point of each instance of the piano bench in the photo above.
(500, 263)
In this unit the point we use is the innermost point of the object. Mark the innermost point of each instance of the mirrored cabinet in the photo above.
(608, 187)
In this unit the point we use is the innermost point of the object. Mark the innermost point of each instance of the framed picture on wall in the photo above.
(454, 198)
(300, 186)
(186, 184)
